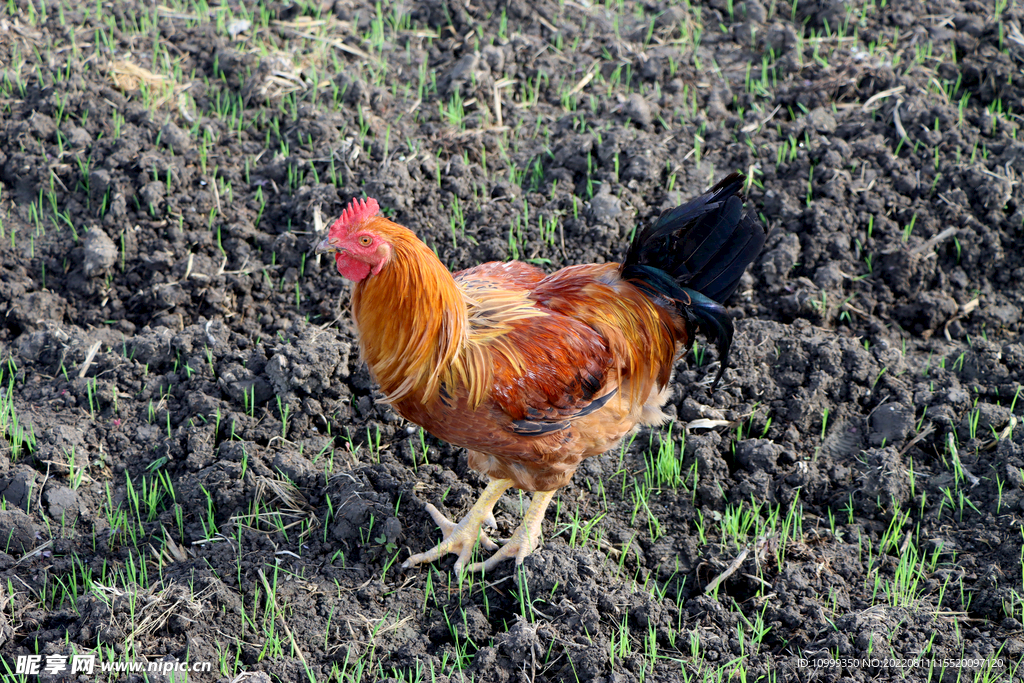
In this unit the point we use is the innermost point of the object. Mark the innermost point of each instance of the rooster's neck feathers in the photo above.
(412, 318)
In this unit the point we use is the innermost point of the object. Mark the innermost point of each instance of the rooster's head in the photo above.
(359, 240)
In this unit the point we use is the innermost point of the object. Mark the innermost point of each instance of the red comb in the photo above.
(357, 211)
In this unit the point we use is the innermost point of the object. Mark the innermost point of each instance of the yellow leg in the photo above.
(462, 537)
(524, 539)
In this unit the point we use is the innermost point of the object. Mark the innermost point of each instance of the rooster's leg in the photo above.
(462, 537)
(524, 539)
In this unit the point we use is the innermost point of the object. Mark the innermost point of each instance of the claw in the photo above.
(491, 522)
(458, 538)
(524, 539)
(462, 537)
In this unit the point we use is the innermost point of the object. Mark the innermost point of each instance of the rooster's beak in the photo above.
(325, 247)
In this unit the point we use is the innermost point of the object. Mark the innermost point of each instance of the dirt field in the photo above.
(193, 466)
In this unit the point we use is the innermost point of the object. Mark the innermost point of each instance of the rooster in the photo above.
(531, 372)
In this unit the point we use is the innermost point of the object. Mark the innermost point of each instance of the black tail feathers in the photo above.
(694, 255)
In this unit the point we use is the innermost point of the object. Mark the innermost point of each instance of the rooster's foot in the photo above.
(524, 539)
(461, 538)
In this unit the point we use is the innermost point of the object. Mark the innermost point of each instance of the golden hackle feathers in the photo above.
(492, 312)
(411, 316)
(444, 335)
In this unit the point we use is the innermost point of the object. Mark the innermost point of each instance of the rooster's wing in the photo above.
(542, 367)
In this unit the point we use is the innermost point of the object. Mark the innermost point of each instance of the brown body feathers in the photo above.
(530, 372)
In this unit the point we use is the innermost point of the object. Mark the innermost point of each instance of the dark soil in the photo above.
(204, 475)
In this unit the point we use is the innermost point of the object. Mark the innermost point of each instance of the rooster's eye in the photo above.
(365, 241)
